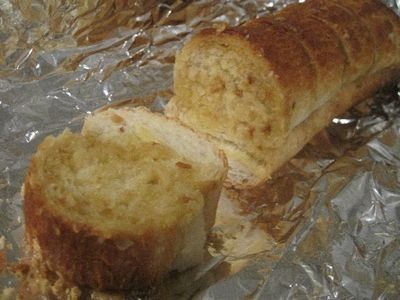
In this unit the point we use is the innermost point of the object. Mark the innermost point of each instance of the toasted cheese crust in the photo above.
(113, 209)
(253, 86)
(82, 174)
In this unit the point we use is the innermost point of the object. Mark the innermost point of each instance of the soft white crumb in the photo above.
(8, 293)
(2, 242)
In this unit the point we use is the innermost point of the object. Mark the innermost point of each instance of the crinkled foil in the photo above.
(326, 226)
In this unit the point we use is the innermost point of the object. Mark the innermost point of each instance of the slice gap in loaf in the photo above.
(125, 202)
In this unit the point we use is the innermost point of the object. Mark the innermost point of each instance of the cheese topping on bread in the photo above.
(134, 184)
(123, 203)
(262, 90)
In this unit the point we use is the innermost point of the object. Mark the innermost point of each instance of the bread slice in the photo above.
(125, 202)
(257, 87)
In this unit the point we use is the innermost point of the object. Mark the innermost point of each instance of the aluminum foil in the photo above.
(327, 225)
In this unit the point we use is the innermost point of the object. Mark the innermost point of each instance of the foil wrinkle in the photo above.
(327, 225)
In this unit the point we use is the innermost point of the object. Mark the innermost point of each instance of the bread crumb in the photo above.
(105, 296)
(117, 119)
(250, 79)
(183, 165)
(266, 129)
(74, 293)
(2, 242)
(239, 92)
(392, 37)
(185, 199)
(220, 27)
(251, 131)
(3, 261)
(8, 293)
(8, 246)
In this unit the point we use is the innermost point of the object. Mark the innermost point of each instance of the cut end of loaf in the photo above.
(259, 89)
(217, 91)
(115, 188)
(125, 202)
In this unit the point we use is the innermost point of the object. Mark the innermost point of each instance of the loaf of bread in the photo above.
(123, 203)
(262, 90)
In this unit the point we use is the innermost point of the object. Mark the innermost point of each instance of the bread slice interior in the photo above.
(130, 198)
(114, 187)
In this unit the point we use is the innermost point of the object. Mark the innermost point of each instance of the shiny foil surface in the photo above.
(327, 226)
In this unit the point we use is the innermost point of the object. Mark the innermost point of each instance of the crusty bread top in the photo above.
(384, 27)
(340, 36)
(117, 206)
(354, 35)
(122, 177)
(250, 86)
(323, 45)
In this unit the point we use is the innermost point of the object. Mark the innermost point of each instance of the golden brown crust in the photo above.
(354, 35)
(89, 255)
(315, 50)
(381, 23)
(348, 96)
(283, 39)
(291, 66)
(83, 257)
(324, 48)
(288, 59)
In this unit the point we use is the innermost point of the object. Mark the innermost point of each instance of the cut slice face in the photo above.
(140, 185)
(128, 200)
